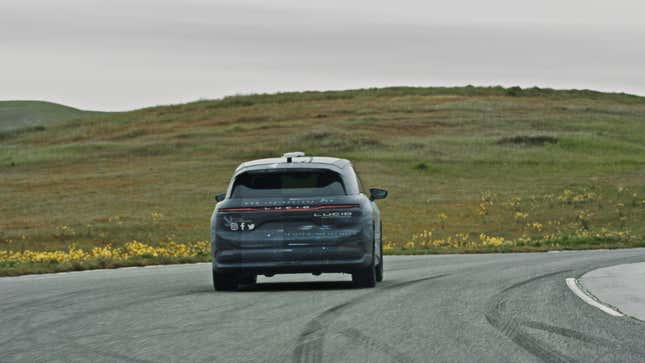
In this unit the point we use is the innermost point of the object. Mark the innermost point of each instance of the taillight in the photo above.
(288, 209)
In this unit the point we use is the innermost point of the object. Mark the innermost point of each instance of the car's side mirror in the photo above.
(220, 197)
(376, 193)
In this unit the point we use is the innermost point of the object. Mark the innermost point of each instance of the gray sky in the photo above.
(125, 54)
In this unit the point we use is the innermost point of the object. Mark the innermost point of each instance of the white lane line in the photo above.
(572, 283)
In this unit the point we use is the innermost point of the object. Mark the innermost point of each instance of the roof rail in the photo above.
(291, 155)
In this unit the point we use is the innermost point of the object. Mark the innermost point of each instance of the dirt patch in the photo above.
(528, 140)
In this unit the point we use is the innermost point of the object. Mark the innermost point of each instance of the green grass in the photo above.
(437, 150)
(7, 269)
(28, 116)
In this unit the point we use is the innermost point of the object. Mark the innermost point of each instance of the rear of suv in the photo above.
(296, 214)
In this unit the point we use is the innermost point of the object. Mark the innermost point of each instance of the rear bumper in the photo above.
(292, 260)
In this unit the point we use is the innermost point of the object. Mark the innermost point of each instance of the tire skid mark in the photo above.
(356, 335)
(48, 299)
(23, 326)
(532, 279)
(86, 348)
(569, 333)
(310, 344)
(29, 333)
(512, 328)
(21, 323)
(574, 334)
(35, 306)
(109, 354)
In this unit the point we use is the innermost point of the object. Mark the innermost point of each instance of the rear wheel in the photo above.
(249, 279)
(224, 281)
(365, 277)
(379, 267)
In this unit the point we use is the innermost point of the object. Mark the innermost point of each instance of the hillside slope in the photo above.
(465, 166)
(21, 114)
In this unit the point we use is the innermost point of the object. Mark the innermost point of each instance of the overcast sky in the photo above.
(125, 54)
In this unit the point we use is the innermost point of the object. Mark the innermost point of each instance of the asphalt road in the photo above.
(501, 307)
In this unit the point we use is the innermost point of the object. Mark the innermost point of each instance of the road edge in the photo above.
(574, 285)
(90, 271)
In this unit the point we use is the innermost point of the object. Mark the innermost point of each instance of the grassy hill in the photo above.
(16, 115)
(467, 168)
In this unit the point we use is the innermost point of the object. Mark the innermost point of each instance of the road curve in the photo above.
(493, 307)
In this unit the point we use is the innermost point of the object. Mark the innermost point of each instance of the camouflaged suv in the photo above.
(296, 214)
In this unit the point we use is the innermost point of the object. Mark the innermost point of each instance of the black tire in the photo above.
(224, 281)
(379, 267)
(365, 277)
(249, 279)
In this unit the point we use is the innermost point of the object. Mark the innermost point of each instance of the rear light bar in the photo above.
(286, 209)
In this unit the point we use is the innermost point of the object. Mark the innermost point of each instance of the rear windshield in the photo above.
(316, 183)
